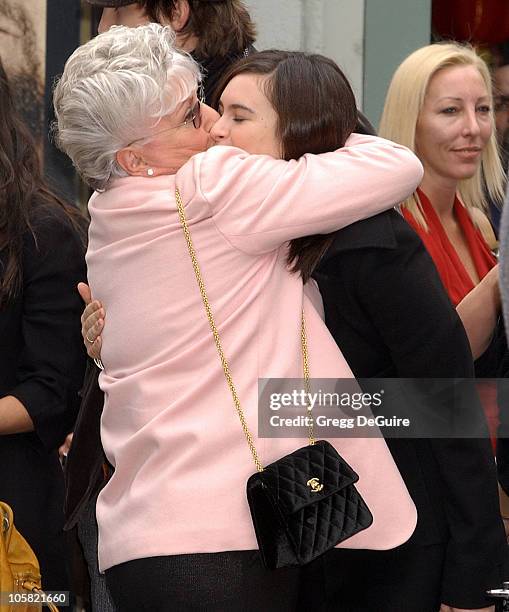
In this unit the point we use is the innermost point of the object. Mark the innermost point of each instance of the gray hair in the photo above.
(113, 90)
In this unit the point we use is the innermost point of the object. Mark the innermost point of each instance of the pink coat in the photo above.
(169, 426)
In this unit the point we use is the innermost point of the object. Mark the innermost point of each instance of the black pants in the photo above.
(405, 579)
(215, 582)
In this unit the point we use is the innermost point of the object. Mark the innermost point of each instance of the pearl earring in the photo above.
(150, 172)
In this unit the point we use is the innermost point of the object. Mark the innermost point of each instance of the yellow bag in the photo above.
(19, 568)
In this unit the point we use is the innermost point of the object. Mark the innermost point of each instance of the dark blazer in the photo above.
(389, 313)
(41, 364)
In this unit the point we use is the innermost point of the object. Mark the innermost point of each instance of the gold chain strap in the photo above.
(215, 333)
(305, 368)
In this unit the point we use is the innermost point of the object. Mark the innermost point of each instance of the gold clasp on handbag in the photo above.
(314, 485)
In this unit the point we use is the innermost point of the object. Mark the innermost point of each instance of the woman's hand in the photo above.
(92, 322)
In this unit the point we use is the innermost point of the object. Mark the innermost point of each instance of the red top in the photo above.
(455, 278)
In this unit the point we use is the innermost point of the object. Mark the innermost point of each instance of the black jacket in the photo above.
(41, 364)
(389, 313)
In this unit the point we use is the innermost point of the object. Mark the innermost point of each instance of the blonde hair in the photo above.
(115, 88)
(403, 104)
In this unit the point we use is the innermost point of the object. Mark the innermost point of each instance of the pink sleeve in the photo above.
(259, 202)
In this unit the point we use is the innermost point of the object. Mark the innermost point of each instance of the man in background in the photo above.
(215, 32)
(501, 104)
(500, 77)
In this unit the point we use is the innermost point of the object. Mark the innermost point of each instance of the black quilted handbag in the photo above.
(304, 503)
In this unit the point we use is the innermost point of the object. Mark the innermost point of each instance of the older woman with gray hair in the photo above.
(174, 524)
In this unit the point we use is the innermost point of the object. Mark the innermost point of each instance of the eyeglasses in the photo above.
(193, 116)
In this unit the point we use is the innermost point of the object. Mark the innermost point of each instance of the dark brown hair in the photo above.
(22, 190)
(316, 111)
(221, 26)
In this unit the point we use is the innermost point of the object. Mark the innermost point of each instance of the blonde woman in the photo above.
(439, 104)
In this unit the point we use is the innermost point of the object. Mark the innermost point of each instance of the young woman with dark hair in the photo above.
(387, 310)
(42, 243)
(322, 115)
